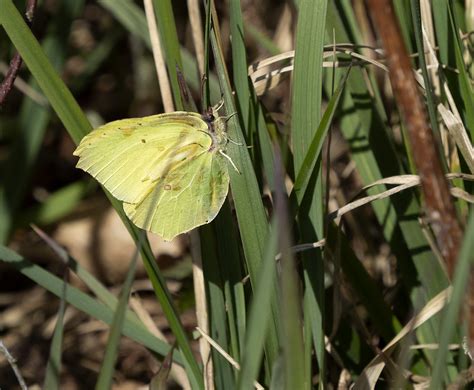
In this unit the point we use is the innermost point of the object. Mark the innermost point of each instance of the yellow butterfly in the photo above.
(169, 170)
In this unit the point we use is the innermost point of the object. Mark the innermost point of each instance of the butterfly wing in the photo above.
(128, 157)
(190, 195)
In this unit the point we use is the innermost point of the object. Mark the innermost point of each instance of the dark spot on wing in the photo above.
(143, 141)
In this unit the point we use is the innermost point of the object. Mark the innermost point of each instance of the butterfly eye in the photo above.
(208, 117)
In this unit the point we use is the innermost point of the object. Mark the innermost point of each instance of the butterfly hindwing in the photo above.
(190, 195)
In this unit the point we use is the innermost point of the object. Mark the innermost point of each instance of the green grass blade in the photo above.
(312, 156)
(239, 67)
(217, 308)
(247, 199)
(291, 316)
(57, 205)
(83, 302)
(170, 45)
(53, 368)
(459, 298)
(430, 98)
(306, 115)
(107, 370)
(259, 316)
(232, 275)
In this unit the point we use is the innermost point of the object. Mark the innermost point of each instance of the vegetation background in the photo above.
(300, 283)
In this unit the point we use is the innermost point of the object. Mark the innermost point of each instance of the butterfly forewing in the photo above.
(128, 156)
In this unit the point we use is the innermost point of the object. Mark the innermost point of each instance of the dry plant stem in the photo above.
(15, 63)
(201, 309)
(160, 66)
(438, 202)
(196, 27)
(11, 360)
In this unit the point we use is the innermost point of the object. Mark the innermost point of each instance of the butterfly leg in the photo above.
(219, 105)
(228, 158)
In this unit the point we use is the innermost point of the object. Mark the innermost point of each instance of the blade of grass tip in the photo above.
(306, 115)
(462, 277)
(77, 125)
(246, 194)
(82, 301)
(260, 315)
(53, 368)
(159, 381)
(110, 357)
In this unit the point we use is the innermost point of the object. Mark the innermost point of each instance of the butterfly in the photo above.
(169, 170)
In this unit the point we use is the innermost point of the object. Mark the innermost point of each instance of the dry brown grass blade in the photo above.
(201, 309)
(402, 182)
(458, 132)
(371, 373)
(205, 337)
(268, 73)
(197, 32)
(160, 66)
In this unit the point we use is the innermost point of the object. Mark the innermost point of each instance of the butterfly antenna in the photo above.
(219, 105)
(227, 117)
(228, 158)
